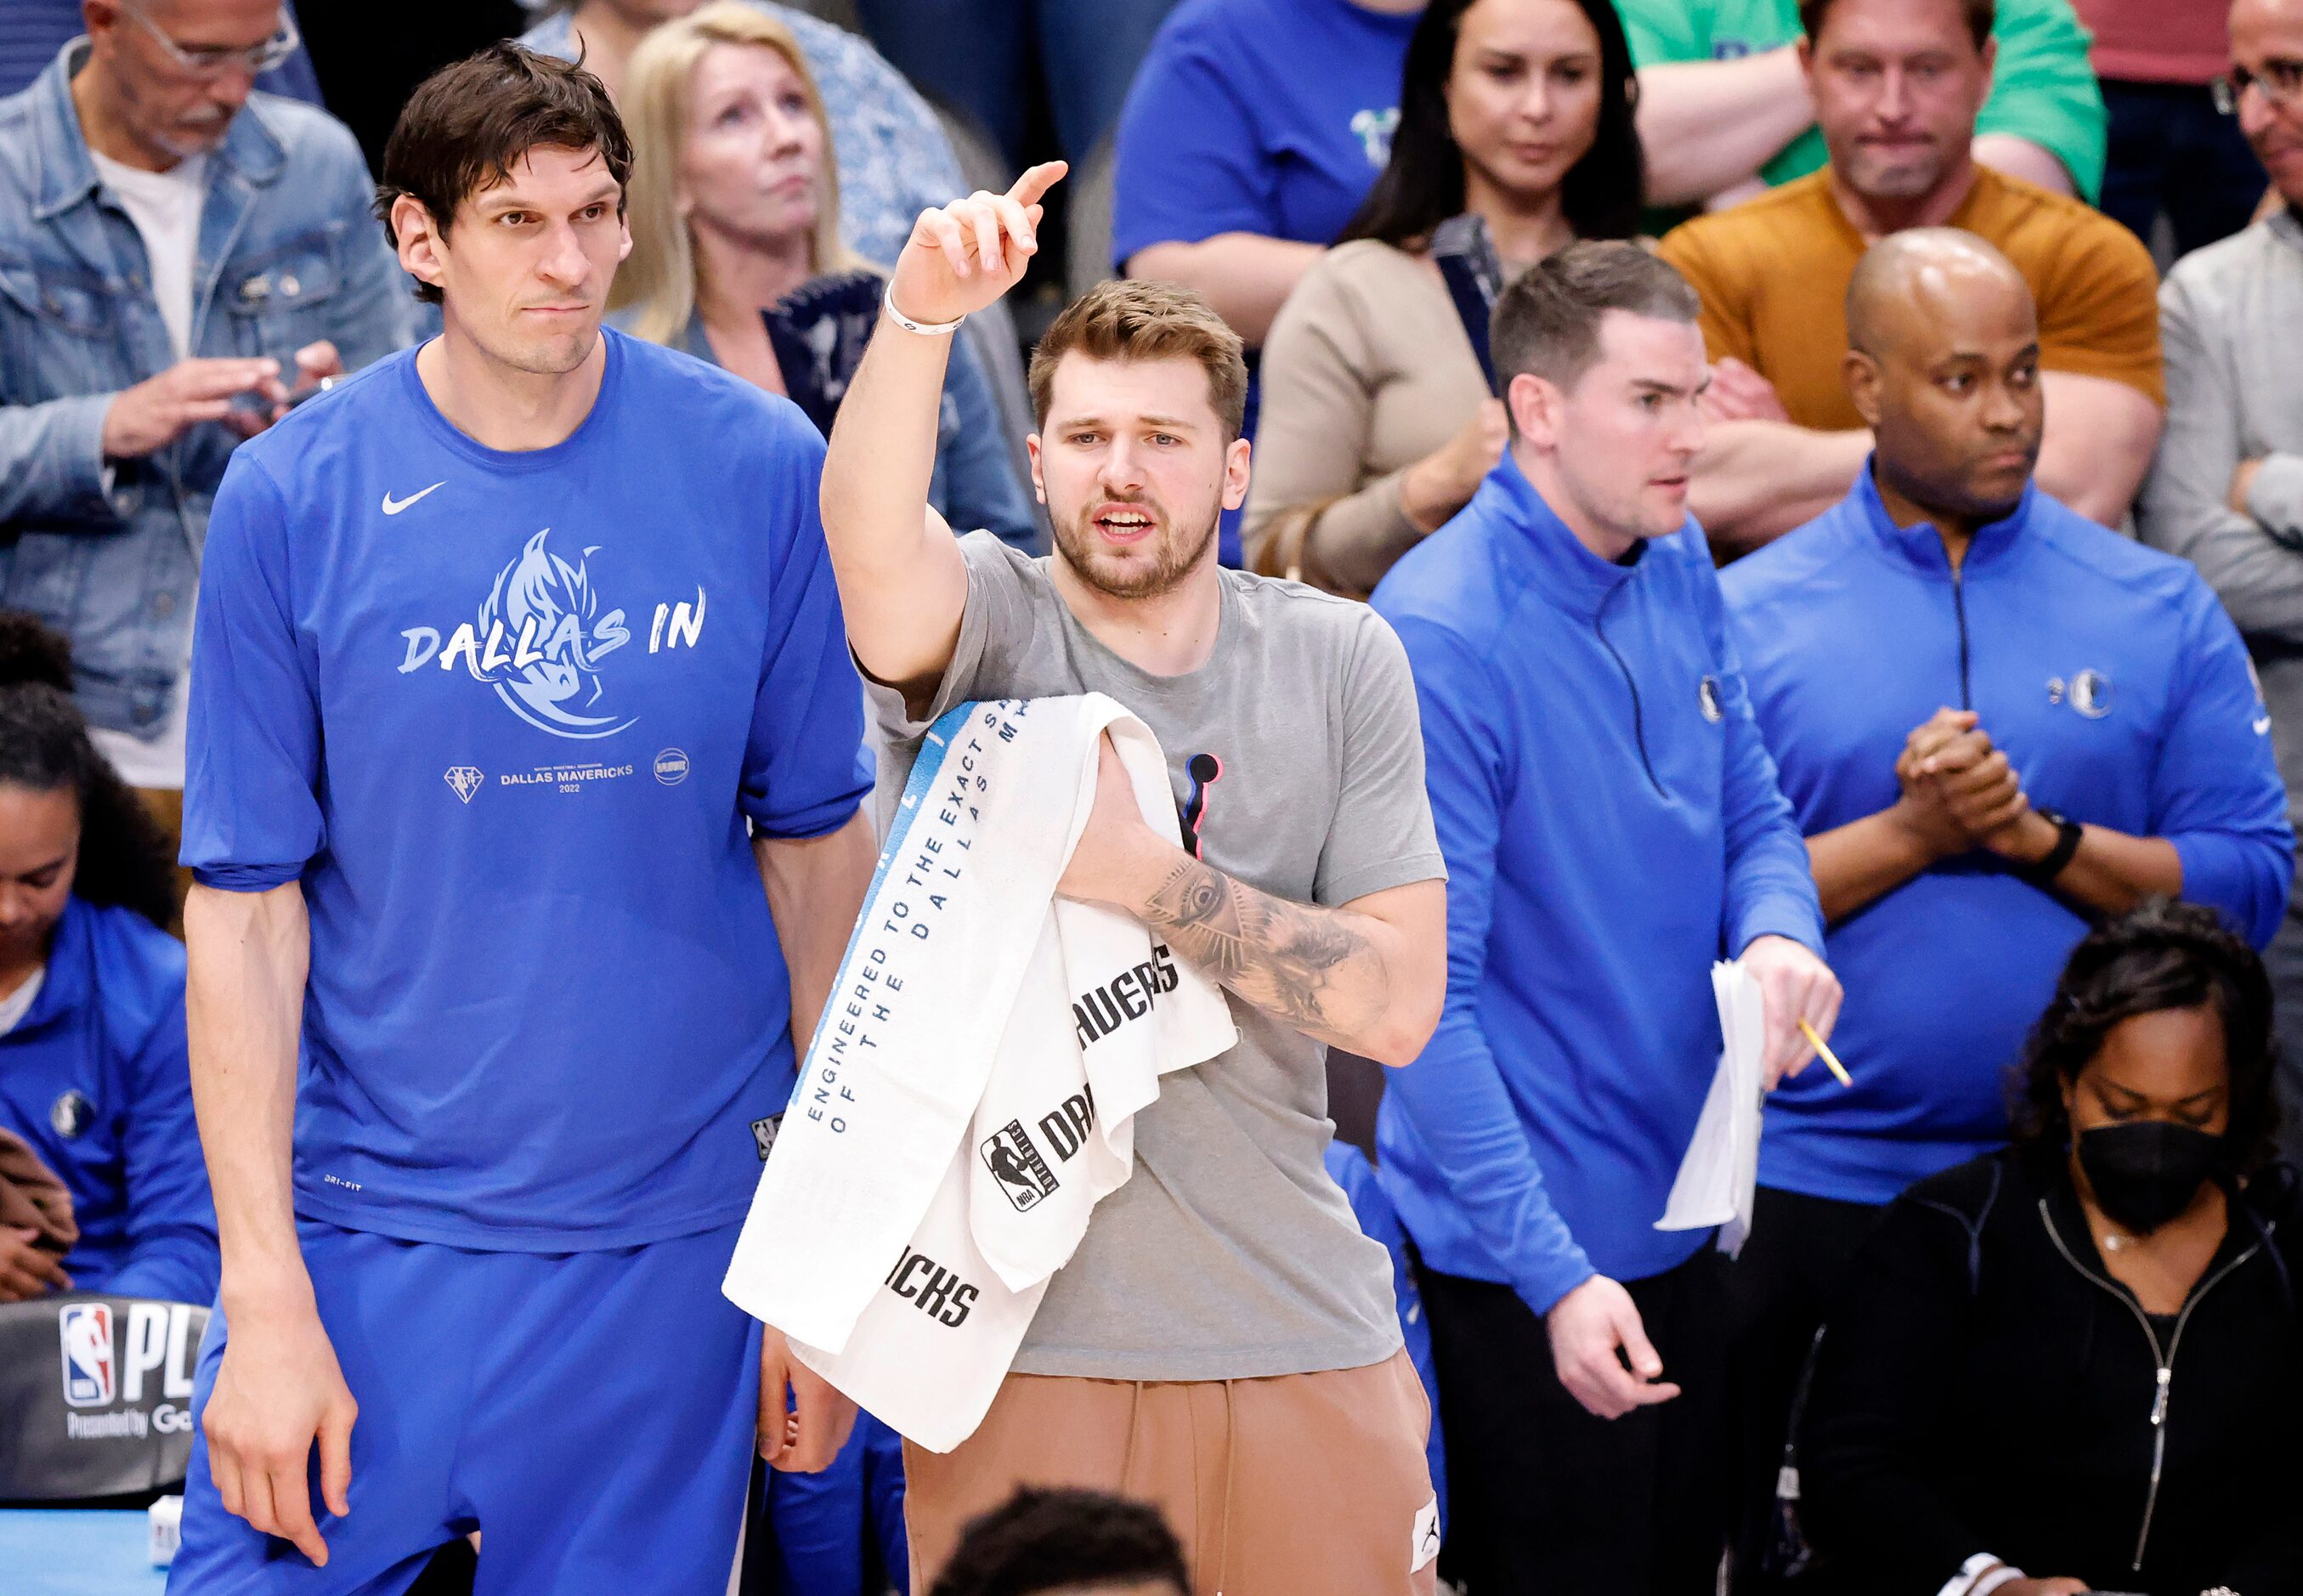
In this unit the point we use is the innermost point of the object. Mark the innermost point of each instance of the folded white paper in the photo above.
(1721, 1171)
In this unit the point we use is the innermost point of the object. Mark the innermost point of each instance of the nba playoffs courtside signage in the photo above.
(96, 1396)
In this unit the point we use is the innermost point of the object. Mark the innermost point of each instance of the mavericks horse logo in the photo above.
(538, 640)
(553, 674)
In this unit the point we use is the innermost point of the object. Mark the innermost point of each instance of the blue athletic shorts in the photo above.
(822, 1530)
(591, 1413)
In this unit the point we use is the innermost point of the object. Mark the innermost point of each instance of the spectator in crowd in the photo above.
(2172, 150)
(1224, 1340)
(737, 256)
(1897, 84)
(894, 157)
(92, 1071)
(1995, 721)
(1611, 826)
(987, 59)
(1724, 113)
(1379, 418)
(179, 259)
(2227, 489)
(1066, 1543)
(2070, 1365)
(32, 32)
(1252, 132)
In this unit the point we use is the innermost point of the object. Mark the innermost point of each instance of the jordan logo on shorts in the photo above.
(1016, 1164)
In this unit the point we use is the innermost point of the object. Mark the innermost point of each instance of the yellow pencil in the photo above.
(1823, 1051)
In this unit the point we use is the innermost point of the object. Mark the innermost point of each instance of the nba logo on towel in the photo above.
(1022, 1173)
(86, 1329)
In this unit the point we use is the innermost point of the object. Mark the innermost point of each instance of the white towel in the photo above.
(1719, 1176)
(970, 1092)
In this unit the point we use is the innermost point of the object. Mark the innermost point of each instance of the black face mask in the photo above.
(2147, 1171)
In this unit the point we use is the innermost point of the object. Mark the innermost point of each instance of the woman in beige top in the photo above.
(1379, 420)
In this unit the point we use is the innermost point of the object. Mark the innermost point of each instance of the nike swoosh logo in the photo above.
(393, 506)
(2262, 724)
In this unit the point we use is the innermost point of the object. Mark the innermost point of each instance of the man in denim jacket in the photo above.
(178, 258)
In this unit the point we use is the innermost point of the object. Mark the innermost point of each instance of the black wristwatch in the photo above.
(2051, 865)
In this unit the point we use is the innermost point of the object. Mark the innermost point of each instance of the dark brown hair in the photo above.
(467, 125)
(1546, 322)
(2162, 954)
(1422, 185)
(124, 859)
(1127, 320)
(1980, 15)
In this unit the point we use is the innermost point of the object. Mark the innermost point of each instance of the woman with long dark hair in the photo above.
(1515, 139)
(2078, 1365)
(93, 1070)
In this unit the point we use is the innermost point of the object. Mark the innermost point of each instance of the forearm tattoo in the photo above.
(1309, 966)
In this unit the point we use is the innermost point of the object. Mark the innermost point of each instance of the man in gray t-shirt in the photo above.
(1224, 1342)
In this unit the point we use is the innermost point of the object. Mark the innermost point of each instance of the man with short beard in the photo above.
(179, 254)
(1224, 1342)
(1996, 721)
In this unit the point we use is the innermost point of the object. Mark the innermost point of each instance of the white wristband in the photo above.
(1986, 1583)
(928, 329)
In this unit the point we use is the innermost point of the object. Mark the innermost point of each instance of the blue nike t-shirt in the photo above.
(510, 718)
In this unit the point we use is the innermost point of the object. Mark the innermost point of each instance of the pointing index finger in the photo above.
(1036, 181)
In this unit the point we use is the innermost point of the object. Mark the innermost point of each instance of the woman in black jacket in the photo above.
(2078, 1365)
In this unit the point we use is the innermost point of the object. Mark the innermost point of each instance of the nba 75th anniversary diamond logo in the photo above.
(465, 780)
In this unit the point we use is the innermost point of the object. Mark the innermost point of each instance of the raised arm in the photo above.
(903, 583)
(280, 1387)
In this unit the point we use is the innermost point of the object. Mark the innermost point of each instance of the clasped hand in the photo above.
(1960, 793)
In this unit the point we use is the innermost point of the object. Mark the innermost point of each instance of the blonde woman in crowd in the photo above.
(736, 252)
(1515, 139)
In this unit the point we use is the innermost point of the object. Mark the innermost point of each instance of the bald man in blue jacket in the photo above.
(1996, 720)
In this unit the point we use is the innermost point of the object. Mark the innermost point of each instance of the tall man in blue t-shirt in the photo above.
(1995, 721)
(521, 672)
(1611, 826)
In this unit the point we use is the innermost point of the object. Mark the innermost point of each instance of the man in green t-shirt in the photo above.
(1723, 108)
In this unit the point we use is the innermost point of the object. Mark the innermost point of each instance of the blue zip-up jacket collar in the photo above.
(1566, 574)
(2121, 693)
(1921, 546)
(1611, 826)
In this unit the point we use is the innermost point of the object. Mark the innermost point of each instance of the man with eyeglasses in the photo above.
(31, 32)
(179, 257)
(2227, 489)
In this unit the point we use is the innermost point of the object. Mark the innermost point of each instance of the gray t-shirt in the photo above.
(1297, 762)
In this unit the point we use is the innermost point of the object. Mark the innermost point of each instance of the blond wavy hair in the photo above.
(657, 282)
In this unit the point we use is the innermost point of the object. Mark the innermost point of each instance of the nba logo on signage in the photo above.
(86, 1329)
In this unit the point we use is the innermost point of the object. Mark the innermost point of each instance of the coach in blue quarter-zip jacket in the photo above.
(1995, 720)
(1611, 826)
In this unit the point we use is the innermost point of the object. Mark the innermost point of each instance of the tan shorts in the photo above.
(1312, 1483)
